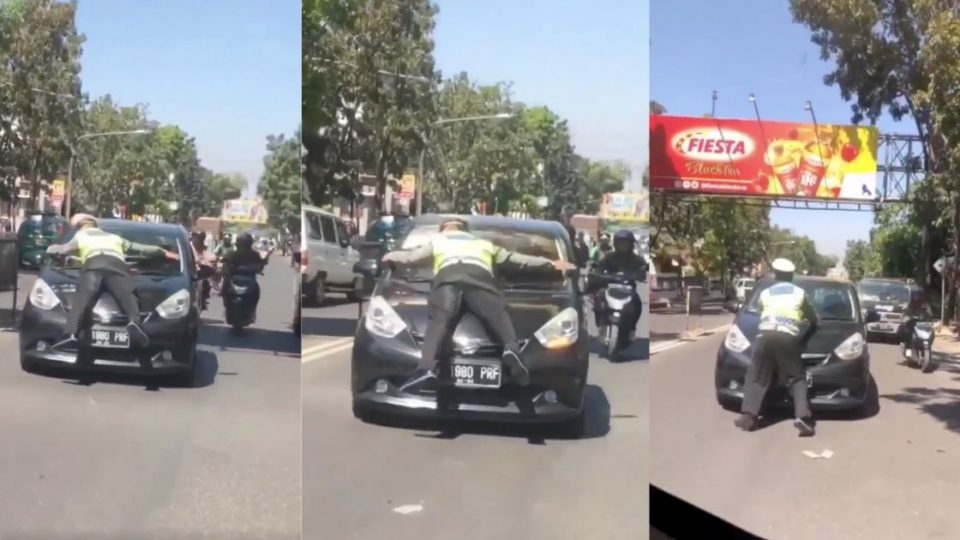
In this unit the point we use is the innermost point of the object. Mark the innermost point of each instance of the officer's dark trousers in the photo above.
(447, 304)
(776, 353)
(97, 276)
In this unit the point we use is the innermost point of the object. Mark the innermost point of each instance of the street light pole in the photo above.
(68, 195)
(423, 151)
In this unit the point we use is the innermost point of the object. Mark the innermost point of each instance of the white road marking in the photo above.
(325, 349)
(672, 344)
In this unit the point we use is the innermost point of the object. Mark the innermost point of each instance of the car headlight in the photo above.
(381, 319)
(851, 348)
(560, 331)
(42, 296)
(176, 306)
(735, 340)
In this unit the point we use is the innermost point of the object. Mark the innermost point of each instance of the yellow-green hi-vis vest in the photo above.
(462, 248)
(94, 242)
(782, 308)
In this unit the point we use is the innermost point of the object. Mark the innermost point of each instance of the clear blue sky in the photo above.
(588, 61)
(227, 72)
(743, 46)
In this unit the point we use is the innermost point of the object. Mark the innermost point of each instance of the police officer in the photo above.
(778, 350)
(103, 267)
(622, 258)
(463, 267)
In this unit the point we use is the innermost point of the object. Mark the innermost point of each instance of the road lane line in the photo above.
(328, 351)
(672, 344)
(325, 344)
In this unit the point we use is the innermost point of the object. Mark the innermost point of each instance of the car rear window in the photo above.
(43, 225)
(884, 291)
(387, 227)
(831, 300)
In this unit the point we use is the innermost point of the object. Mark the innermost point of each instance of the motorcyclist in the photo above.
(623, 258)
(918, 310)
(464, 278)
(226, 246)
(204, 258)
(601, 250)
(104, 268)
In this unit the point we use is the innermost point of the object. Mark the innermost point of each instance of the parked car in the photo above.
(891, 299)
(168, 292)
(381, 237)
(836, 356)
(665, 291)
(545, 308)
(330, 257)
(36, 233)
(742, 287)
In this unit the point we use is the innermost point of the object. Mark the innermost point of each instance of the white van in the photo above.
(742, 285)
(330, 258)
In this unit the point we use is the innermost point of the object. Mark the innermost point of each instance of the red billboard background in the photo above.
(747, 158)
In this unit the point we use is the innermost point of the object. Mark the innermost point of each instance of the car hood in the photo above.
(828, 336)
(151, 290)
(529, 310)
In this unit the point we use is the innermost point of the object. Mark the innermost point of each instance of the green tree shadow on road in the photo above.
(940, 403)
(597, 424)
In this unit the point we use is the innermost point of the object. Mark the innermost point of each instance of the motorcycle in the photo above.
(618, 294)
(241, 294)
(917, 347)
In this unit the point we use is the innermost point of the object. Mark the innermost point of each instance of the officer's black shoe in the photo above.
(805, 426)
(137, 335)
(420, 376)
(520, 371)
(747, 422)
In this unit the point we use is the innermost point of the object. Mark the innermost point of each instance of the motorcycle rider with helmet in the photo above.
(621, 258)
(243, 255)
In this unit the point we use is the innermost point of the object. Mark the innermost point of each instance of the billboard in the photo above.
(244, 211)
(774, 159)
(625, 207)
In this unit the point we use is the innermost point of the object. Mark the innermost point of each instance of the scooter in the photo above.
(612, 303)
(917, 346)
(241, 294)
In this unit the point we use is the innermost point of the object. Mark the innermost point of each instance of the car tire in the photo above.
(356, 293)
(366, 415)
(319, 292)
(728, 404)
(188, 377)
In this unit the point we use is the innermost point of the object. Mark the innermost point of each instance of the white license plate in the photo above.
(883, 327)
(476, 374)
(109, 339)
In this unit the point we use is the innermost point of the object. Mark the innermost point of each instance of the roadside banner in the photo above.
(244, 211)
(625, 207)
(408, 187)
(58, 189)
(768, 159)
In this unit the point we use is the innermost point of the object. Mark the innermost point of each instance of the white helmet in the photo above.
(783, 266)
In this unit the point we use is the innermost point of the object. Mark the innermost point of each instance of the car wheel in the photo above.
(296, 321)
(355, 294)
(728, 404)
(320, 291)
(188, 377)
(366, 415)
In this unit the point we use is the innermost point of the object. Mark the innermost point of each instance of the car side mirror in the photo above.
(344, 242)
(368, 268)
(872, 316)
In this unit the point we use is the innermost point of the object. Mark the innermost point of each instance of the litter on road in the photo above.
(826, 454)
(409, 509)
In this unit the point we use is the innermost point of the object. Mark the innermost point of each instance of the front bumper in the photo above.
(172, 345)
(835, 385)
(555, 393)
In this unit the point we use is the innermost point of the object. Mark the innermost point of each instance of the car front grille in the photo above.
(891, 317)
(487, 350)
(811, 360)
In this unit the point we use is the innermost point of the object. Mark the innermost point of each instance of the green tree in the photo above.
(280, 183)
(40, 75)
(858, 260)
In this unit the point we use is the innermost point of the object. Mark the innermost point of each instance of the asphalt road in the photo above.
(891, 476)
(119, 459)
(472, 481)
(669, 327)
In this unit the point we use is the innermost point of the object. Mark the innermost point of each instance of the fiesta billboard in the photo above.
(774, 159)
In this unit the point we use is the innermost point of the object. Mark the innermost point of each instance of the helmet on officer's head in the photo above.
(456, 222)
(783, 269)
(79, 221)
(624, 242)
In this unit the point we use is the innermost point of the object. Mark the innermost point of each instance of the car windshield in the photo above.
(667, 284)
(148, 265)
(882, 291)
(832, 301)
(526, 243)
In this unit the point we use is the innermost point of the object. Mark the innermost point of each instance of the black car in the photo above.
(168, 293)
(380, 238)
(836, 355)
(544, 307)
(36, 233)
(892, 299)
